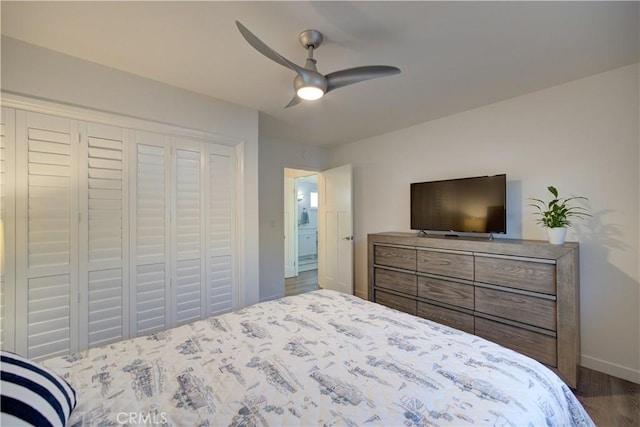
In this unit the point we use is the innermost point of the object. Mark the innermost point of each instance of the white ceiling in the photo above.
(454, 56)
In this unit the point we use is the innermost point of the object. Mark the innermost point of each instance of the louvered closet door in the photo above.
(150, 251)
(7, 215)
(103, 235)
(187, 231)
(221, 230)
(46, 235)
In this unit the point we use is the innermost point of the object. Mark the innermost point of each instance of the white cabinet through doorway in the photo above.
(307, 242)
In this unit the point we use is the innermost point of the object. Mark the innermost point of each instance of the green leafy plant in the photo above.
(557, 212)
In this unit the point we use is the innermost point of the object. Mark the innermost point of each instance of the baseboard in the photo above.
(611, 369)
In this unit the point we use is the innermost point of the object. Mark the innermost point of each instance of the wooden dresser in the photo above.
(522, 294)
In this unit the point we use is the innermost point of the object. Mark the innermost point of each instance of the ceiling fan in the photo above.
(309, 84)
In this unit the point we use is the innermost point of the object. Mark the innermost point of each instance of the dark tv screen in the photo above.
(469, 205)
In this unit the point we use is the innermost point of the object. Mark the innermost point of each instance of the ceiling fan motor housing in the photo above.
(310, 38)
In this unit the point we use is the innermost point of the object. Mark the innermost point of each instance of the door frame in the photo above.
(290, 229)
(291, 214)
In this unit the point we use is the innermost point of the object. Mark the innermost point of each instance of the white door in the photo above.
(150, 233)
(103, 243)
(290, 239)
(46, 235)
(221, 289)
(202, 230)
(187, 231)
(335, 230)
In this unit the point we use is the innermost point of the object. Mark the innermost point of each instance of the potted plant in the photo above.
(557, 214)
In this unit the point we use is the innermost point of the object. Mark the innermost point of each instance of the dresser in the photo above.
(522, 294)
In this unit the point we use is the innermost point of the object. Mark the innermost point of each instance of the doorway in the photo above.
(332, 263)
(301, 231)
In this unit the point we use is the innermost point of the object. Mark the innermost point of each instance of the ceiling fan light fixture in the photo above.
(310, 86)
(310, 93)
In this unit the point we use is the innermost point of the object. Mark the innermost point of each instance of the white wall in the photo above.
(275, 156)
(582, 137)
(32, 71)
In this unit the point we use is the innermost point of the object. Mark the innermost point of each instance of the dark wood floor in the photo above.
(306, 281)
(610, 401)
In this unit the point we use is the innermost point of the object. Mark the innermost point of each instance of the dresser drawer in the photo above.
(395, 257)
(521, 308)
(527, 275)
(538, 346)
(446, 316)
(446, 291)
(445, 264)
(396, 280)
(408, 305)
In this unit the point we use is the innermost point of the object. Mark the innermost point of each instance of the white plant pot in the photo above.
(557, 235)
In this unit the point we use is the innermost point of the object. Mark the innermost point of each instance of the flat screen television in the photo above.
(465, 205)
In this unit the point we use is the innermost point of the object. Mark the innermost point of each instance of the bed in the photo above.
(321, 358)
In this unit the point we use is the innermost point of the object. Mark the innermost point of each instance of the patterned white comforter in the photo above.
(322, 358)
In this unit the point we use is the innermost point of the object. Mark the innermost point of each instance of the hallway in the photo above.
(306, 281)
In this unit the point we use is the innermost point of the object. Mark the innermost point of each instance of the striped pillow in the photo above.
(33, 394)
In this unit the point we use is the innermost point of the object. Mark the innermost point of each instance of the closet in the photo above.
(111, 231)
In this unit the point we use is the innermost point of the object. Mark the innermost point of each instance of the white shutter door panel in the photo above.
(46, 251)
(187, 231)
(105, 306)
(151, 205)
(188, 291)
(150, 298)
(49, 308)
(150, 295)
(221, 292)
(187, 205)
(103, 238)
(49, 197)
(221, 295)
(7, 228)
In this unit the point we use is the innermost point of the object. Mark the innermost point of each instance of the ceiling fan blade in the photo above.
(294, 101)
(266, 50)
(342, 78)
